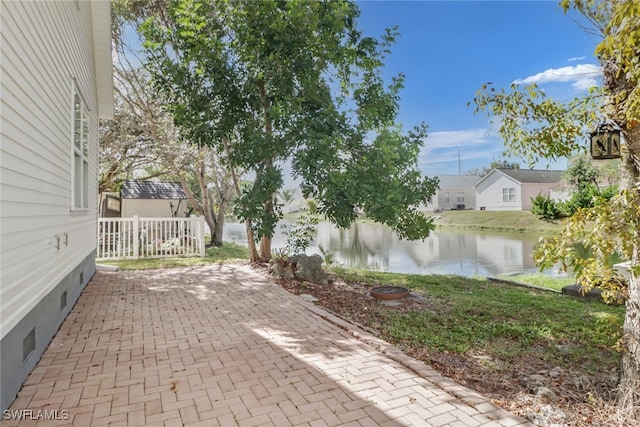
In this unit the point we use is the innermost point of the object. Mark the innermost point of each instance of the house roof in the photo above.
(457, 181)
(534, 176)
(152, 190)
(528, 176)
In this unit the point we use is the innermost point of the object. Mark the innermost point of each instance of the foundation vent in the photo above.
(28, 344)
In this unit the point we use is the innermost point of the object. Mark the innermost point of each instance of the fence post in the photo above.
(98, 243)
(136, 238)
(201, 235)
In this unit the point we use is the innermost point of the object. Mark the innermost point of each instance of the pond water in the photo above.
(373, 246)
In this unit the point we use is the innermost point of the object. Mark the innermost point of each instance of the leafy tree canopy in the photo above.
(496, 164)
(581, 172)
(297, 81)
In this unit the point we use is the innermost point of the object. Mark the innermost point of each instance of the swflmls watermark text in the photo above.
(36, 414)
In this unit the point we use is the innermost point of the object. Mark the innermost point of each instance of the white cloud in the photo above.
(477, 147)
(577, 58)
(455, 138)
(582, 76)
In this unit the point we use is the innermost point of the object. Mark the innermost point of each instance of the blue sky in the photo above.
(448, 49)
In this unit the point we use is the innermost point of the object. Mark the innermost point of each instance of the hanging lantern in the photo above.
(605, 142)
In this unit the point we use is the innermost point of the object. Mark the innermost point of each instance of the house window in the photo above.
(509, 194)
(446, 197)
(460, 197)
(80, 154)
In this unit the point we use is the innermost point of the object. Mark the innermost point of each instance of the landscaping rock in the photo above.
(417, 297)
(556, 372)
(548, 417)
(545, 392)
(536, 380)
(308, 297)
(309, 268)
(282, 270)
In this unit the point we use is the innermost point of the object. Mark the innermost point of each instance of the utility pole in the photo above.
(459, 162)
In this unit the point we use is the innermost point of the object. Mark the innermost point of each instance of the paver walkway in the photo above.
(222, 345)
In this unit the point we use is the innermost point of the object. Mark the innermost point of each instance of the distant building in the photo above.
(454, 192)
(513, 189)
(155, 199)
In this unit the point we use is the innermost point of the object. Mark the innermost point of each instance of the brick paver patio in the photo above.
(223, 346)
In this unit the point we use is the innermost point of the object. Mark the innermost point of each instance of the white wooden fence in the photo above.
(133, 238)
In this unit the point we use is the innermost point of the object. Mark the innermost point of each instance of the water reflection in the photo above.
(375, 247)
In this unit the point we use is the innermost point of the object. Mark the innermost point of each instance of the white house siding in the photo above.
(45, 47)
(559, 195)
(451, 202)
(489, 193)
(446, 197)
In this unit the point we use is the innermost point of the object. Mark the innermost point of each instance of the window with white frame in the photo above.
(460, 197)
(80, 154)
(446, 197)
(509, 194)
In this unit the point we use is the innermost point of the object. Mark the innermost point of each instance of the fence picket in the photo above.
(138, 237)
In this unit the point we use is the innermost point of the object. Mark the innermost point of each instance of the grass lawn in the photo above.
(228, 252)
(541, 280)
(497, 220)
(507, 323)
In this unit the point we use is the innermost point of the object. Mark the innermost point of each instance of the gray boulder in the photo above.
(309, 268)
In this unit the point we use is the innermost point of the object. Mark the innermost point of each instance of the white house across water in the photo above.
(513, 189)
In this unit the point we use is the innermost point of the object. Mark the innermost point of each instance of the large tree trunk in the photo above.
(251, 241)
(265, 241)
(265, 249)
(629, 387)
(216, 237)
(212, 228)
(205, 208)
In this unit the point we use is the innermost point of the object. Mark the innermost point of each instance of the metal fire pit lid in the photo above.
(389, 292)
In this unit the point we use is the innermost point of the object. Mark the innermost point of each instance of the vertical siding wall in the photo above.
(45, 46)
(157, 208)
(530, 191)
(489, 193)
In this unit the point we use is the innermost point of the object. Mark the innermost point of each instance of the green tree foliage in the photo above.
(536, 127)
(499, 164)
(581, 172)
(142, 135)
(287, 196)
(301, 234)
(582, 175)
(609, 171)
(292, 81)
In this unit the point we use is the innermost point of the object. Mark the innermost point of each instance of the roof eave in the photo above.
(101, 24)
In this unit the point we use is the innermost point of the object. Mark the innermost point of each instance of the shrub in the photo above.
(545, 207)
(300, 235)
(587, 196)
(608, 192)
